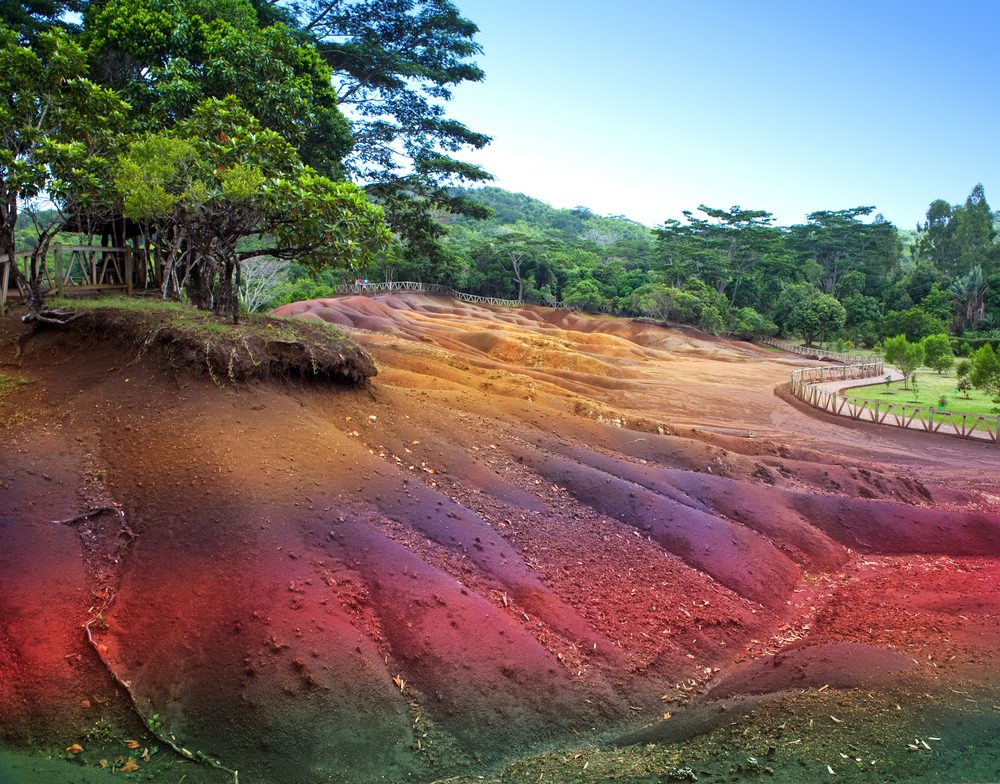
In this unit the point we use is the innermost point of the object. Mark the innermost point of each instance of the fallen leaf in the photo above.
(84, 704)
(102, 649)
(129, 767)
(132, 744)
(75, 749)
(103, 763)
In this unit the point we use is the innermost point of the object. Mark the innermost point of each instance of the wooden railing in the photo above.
(70, 268)
(430, 288)
(815, 352)
(804, 385)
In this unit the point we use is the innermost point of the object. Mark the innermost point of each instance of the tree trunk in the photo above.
(227, 301)
(199, 285)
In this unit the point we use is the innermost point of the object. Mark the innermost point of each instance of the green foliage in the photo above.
(916, 323)
(730, 250)
(937, 352)
(984, 372)
(29, 18)
(666, 303)
(59, 132)
(394, 65)
(968, 293)
(904, 355)
(166, 59)
(584, 294)
(958, 238)
(803, 309)
(866, 254)
(218, 179)
(748, 323)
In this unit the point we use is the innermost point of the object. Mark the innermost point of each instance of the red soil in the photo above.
(532, 524)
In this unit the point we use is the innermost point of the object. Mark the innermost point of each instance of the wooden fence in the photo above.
(804, 385)
(91, 268)
(816, 352)
(435, 288)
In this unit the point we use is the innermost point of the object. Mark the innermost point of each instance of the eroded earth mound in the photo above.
(534, 529)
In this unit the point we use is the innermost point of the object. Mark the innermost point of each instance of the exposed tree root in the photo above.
(57, 318)
(96, 614)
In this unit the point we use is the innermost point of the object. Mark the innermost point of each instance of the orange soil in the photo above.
(532, 524)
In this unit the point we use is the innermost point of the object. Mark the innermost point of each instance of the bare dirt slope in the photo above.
(533, 527)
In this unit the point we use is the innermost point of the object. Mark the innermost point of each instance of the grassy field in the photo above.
(931, 387)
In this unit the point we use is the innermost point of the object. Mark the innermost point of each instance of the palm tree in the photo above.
(968, 293)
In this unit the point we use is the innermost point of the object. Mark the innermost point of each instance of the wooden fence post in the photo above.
(59, 269)
(129, 264)
(4, 277)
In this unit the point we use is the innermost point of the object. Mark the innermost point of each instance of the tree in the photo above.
(58, 131)
(748, 323)
(916, 323)
(166, 58)
(984, 372)
(958, 238)
(969, 296)
(218, 179)
(974, 231)
(28, 18)
(802, 308)
(584, 295)
(726, 249)
(521, 252)
(260, 277)
(395, 64)
(666, 303)
(841, 243)
(904, 355)
(937, 352)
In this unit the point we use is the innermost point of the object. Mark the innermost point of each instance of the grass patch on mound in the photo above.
(259, 347)
(9, 413)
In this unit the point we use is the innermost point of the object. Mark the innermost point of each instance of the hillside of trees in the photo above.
(843, 274)
(216, 132)
(264, 152)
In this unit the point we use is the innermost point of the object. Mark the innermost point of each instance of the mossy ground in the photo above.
(259, 346)
(10, 413)
(811, 736)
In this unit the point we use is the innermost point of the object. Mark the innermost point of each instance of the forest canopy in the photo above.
(314, 135)
(326, 131)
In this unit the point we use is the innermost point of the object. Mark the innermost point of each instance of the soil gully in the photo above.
(535, 532)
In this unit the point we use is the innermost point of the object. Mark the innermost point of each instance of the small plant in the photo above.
(155, 723)
(101, 730)
(943, 402)
(963, 386)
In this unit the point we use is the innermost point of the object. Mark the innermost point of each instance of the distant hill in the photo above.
(571, 226)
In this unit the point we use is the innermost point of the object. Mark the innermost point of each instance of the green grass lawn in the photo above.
(930, 388)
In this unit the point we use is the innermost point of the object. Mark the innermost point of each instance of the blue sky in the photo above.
(647, 108)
